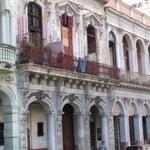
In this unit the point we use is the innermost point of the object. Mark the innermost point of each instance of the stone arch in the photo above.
(113, 34)
(127, 52)
(99, 103)
(112, 49)
(133, 109)
(140, 56)
(41, 98)
(74, 101)
(8, 117)
(8, 96)
(40, 3)
(118, 108)
(141, 45)
(40, 114)
(145, 109)
(129, 41)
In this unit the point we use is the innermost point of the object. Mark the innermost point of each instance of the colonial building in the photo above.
(73, 73)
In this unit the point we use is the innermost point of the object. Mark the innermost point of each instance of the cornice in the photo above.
(72, 77)
(122, 15)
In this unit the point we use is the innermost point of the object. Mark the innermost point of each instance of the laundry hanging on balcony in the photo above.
(82, 65)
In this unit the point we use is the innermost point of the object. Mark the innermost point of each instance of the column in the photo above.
(80, 131)
(3, 27)
(11, 129)
(124, 129)
(87, 133)
(105, 134)
(138, 130)
(59, 132)
(111, 133)
(119, 50)
(23, 131)
(98, 43)
(134, 52)
(145, 61)
(51, 132)
(12, 28)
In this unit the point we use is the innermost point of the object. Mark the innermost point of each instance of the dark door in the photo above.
(117, 133)
(1, 134)
(144, 128)
(68, 129)
(93, 136)
(131, 127)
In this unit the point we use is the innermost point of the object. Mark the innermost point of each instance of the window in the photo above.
(40, 129)
(34, 14)
(91, 39)
(1, 133)
(112, 49)
(126, 54)
(67, 38)
(117, 133)
(35, 23)
(149, 53)
(139, 56)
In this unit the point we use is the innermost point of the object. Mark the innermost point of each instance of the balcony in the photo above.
(135, 78)
(7, 57)
(59, 60)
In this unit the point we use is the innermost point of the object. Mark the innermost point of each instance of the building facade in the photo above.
(73, 74)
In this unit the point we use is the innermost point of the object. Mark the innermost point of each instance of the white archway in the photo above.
(41, 123)
(8, 120)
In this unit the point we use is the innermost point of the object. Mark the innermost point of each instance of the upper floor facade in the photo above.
(107, 35)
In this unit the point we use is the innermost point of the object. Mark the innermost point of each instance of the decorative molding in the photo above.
(68, 7)
(39, 95)
(92, 19)
(97, 99)
(70, 97)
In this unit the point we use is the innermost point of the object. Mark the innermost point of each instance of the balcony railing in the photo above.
(7, 54)
(62, 61)
(135, 77)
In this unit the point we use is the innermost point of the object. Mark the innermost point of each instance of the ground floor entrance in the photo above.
(36, 127)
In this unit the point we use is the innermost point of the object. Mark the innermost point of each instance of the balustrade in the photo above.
(7, 54)
(62, 61)
(135, 77)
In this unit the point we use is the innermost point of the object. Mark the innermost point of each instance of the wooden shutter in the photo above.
(91, 39)
(67, 25)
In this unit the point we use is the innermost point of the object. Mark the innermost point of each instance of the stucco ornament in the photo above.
(39, 95)
(92, 19)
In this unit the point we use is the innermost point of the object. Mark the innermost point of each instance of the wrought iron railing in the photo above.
(7, 54)
(62, 61)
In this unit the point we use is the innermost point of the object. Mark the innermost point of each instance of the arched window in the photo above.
(112, 49)
(91, 39)
(35, 23)
(139, 59)
(149, 53)
(126, 54)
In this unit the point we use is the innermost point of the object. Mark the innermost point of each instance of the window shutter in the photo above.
(64, 19)
(70, 21)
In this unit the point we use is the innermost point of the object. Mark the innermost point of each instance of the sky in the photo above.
(132, 1)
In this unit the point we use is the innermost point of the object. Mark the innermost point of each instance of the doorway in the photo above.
(68, 128)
